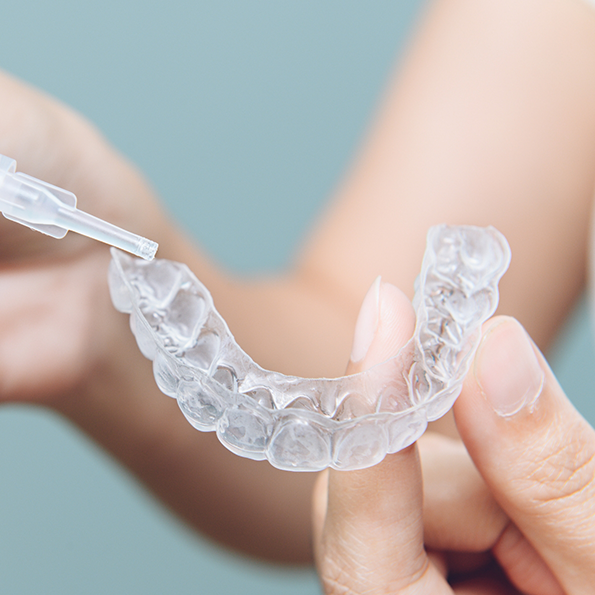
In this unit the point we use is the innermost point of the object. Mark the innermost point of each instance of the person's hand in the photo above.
(56, 318)
(64, 346)
(529, 528)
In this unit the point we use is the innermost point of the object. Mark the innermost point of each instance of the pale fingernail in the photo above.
(367, 322)
(506, 368)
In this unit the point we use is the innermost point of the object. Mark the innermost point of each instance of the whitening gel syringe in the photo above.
(52, 210)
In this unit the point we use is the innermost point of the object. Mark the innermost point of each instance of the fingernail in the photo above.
(506, 368)
(367, 322)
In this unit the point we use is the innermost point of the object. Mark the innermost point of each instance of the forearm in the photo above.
(491, 121)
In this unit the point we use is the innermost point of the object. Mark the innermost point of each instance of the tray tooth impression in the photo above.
(303, 424)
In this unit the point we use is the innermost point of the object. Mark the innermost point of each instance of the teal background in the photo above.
(243, 115)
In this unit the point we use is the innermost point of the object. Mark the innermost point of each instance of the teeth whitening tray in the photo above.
(298, 424)
(302, 424)
(52, 210)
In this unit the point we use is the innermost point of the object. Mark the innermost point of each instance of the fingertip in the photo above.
(506, 367)
(396, 323)
(385, 323)
(367, 323)
(506, 378)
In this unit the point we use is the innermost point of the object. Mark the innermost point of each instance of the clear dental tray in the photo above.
(303, 424)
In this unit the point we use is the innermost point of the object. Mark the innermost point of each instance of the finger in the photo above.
(534, 450)
(460, 512)
(462, 517)
(370, 530)
(523, 564)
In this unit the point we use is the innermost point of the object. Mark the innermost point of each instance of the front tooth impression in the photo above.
(183, 317)
(303, 424)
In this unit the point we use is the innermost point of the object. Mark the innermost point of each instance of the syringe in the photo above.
(52, 210)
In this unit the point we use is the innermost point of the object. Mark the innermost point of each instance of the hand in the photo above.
(529, 528)
(55, 314)
(63, 345)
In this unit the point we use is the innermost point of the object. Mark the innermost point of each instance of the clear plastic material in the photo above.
(303, 424)
(52, 210)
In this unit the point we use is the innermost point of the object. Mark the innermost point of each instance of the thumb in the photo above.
(368, 526)
(534, 450)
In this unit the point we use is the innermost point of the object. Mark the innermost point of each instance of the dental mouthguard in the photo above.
(303, 424)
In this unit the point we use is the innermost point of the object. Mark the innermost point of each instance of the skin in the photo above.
(471, 131)
(509, 510)
(520, 488)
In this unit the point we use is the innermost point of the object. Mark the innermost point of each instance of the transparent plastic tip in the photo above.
(52, 210)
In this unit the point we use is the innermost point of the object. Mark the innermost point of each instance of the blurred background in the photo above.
(243, 116)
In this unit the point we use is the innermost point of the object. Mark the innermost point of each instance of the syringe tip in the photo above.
(146, 249)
